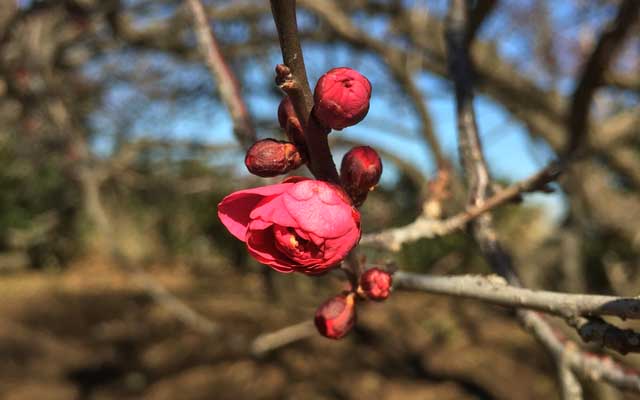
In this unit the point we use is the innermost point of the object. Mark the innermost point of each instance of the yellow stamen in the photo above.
(293, 242)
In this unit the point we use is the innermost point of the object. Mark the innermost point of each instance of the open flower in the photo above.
(300, 225)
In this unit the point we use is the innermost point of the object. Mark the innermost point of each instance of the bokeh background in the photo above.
(117, 281)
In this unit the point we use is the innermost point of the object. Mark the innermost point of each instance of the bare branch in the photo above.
(479, 182)
(609, 336)
(268, 342)
(496, 290)
(569, 383)
(587, 365)
(482, 9)
(297, 87)
(594, 71)
(227, 82)
(424, 227)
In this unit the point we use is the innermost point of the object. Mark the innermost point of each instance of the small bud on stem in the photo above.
(341, 98)
(375, 284)
(335, 318)
(269, 157)
(360, 172)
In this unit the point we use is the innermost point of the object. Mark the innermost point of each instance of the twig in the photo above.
(608, 336)
(296, 84)
(590, 366)
(175, 306)
(484, 233)
(496, 290)
(424, 227)
(268, 342)
(227, 82)
(593, 74)
(482, 9)
(569, 383)
(165, 298)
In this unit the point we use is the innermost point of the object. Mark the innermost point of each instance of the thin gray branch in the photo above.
(425, 227)
(268, 342)
(496, 290)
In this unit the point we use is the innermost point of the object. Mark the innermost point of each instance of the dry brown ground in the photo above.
(92, 332)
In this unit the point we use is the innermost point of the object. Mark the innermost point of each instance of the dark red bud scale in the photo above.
(269, 157)
(360, 172)
(289, 122)
(375, 284)
(336, 317)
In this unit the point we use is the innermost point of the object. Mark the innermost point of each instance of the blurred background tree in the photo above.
(112, 135)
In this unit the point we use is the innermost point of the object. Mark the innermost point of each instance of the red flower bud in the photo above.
(360, 172)
(289, 122)
(341, 98)
(376, 284)
(271, 157)
(335, 318)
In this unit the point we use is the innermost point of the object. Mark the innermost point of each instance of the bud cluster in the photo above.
(341, 99)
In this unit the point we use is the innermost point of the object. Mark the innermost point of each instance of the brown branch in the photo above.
(479, 181)
(496, 290)
(223, 75)
(296, 84)
(424, 227)
(594, 71)
(607, 335)
(479, 14)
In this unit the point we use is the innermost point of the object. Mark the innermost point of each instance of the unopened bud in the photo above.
(289, 121)
(376, 284)
(360, 172)
(269, 157)
(335, 318)
(341, 98)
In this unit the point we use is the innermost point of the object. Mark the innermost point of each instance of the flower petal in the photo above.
(319, 210)
(271, 209)
(234, 210)
(261, 246)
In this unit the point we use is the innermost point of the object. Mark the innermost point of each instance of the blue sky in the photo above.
(391, 124)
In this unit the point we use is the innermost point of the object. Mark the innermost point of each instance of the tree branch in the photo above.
(594, 71)
(479, 182)
(496, 290)
(424, 227)
(227, 82)
(296, 84)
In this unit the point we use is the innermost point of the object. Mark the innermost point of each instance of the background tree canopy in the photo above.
(116, 148)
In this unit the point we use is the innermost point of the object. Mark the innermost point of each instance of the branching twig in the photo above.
(424, 227)
(227, 82)
(484, 233)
